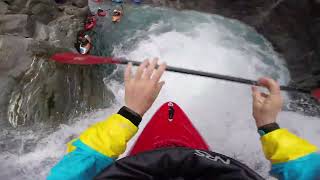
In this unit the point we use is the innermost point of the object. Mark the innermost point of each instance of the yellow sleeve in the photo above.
(109, 137)
(281, 146)
(70, 146)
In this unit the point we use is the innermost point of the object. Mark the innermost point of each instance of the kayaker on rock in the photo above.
(99, 10)
(93, 155)
(116, 15)
(83, 44)
(89, 18)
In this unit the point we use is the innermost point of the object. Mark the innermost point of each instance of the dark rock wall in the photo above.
(314, 30)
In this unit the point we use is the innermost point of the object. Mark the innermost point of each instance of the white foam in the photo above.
(220, 110)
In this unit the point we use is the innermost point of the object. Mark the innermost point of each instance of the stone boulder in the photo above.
(14, 54)
(75, 11)
(15, 59)
(80, 3)
(33, 88)
(16, 24)
(43, 12)
(3, 7)
(15, 6)
(62, 31)
(41, 32)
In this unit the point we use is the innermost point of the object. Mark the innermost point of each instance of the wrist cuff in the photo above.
(268, 128)
(132, 116)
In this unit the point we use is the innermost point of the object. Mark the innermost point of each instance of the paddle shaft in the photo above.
(215, 76)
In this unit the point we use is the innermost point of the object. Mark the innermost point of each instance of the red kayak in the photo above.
(91, 24)
(169, 127)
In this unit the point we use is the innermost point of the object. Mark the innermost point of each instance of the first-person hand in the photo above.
(266, 106)
(142, 89)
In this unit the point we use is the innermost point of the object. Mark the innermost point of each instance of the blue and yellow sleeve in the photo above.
(95, 149)
(292, 158)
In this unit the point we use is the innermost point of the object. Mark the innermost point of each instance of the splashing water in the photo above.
(220, 110)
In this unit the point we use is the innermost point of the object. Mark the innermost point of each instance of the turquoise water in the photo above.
(143, 23)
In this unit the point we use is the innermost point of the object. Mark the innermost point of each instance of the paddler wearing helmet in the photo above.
(83, 44)
(116, 15)
(90, 18)
(101, 12)
(94, 154)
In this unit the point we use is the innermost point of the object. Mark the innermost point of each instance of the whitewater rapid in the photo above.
(220, 110)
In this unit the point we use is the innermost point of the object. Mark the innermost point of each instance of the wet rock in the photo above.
(34, 89)
(62, 31)
(37, 91)
(14, 52)
(14, 60)
(3, 7)
(80, 3)
(15, 6)
(44, 12)
(78, 12)
(41, 32)
(16, 24)
(58, 92)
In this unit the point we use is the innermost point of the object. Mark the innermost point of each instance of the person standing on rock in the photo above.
(94, 154)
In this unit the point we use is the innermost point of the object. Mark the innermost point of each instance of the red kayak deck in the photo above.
(169, 127)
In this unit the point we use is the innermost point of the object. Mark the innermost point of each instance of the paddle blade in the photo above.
(73, 58)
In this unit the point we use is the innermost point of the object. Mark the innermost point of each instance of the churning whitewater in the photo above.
(221, 111)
